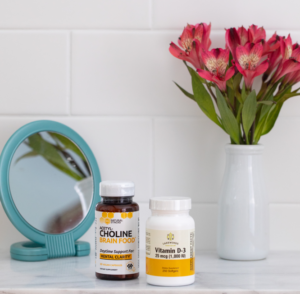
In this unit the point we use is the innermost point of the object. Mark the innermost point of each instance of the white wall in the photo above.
(103, 68)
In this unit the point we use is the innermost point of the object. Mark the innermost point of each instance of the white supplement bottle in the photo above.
(170, 242)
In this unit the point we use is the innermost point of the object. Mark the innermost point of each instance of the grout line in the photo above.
(153, 158)
(69, 69)
(100, 116)
(56, 30)
(216, 203)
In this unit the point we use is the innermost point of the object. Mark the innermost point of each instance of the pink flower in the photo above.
(248, 62)
(256, 34)
(216, 62)
(241, 36)
(192, 39)
(233, 40)
(293, 77)
(244, 36)
(290, 61)
(272, 44)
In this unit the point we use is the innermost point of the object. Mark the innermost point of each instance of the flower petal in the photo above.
(180, 54)
(242, 56)
(229, 73)
(255, 55)
(296, 54)
(288, 66)
(256, 33)
(232, 40)
(210, 60)
(240, 69)
(243, 33)
(205, 74)
(186, 38)
(261, 68)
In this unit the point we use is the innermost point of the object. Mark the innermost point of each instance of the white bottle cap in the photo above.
(116, 189)
(170, 203)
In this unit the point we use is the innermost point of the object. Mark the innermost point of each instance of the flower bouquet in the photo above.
(222, 79)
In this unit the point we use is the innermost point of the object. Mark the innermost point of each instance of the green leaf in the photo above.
(272, 117)
(68, 144)
(29, 154)
(281, 97)
(203, 99)
(259, 129)
(49, 153)
(264, 111)
(266, 108)
(192, 71)
(66, 170)
(228, 119)
(244, 94)
(266, 102)
(230, 92)
(290, 95)
(295, 91)
(237, 81)
(249, 112)
(186, 93)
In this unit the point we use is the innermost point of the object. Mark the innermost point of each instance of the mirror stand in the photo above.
(54, 248)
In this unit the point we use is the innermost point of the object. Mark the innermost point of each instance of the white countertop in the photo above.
(279, 273)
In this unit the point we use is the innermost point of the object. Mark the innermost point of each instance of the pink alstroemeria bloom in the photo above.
(256, 34)
(271, 45)
(241, 36)
(290, 61)
(248, 62)
(216, 62)
(192, 39)
(293, 77)
(244, 35)
(233, 40)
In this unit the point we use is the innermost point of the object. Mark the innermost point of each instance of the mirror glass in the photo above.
(51, 183)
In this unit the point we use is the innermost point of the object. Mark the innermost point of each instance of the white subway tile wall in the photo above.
(103, 68)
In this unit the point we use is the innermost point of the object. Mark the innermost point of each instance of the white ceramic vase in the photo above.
(243, 219)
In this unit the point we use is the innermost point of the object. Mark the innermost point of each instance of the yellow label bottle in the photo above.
(170, 242)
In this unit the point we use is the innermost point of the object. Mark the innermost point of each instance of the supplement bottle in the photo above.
(170, 242)
(117, 232)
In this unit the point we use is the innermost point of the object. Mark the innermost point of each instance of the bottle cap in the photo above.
(170, 203)
(116, 189)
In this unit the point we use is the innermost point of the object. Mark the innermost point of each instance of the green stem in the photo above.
(210, 91)
(230, 105)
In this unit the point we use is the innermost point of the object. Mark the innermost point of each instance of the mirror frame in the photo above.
(5, 195)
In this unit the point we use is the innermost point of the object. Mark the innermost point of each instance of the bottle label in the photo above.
(117, 242)
(170, 253)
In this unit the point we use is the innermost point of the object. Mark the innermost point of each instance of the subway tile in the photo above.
(282, 160)
(129, 73)
(108, 81)
(189, 158)
(168, 14)
(205, 217)
(33, 72)
(284, 226)
(192, 152)
(9, 234)
(74, 14)
(122, 147)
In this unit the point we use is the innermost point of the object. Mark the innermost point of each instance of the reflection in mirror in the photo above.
(51, 182)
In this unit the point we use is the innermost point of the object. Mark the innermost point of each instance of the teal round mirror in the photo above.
(49, 187)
